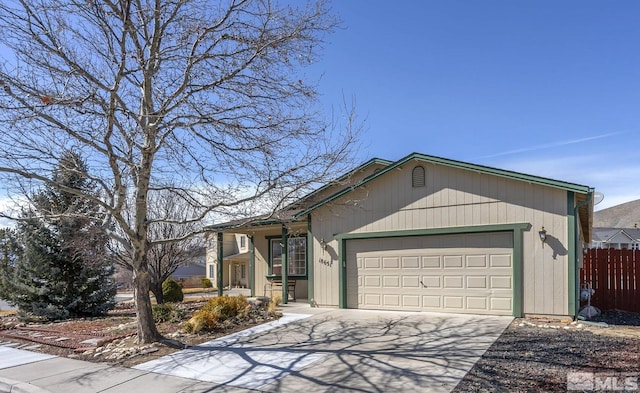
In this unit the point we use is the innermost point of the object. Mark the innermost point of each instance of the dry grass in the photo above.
(198, 290)
(6, 313)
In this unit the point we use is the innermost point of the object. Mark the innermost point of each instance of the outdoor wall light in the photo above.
(323, 244)
(543, 235)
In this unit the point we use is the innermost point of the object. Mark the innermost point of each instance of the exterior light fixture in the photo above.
(323, 244)
(543, 235)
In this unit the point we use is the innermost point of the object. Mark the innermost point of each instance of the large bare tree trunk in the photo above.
(147, 331)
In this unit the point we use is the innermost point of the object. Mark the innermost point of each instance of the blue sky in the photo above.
(549, 88)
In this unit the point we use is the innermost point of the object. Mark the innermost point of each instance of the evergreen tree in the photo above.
(62, 269)
(9, 251)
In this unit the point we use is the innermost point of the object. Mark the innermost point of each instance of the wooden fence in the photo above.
(615, 277)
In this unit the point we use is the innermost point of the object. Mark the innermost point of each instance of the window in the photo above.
(243, 271)
(243, 241)
(211, 271)
(418, 177)
(297, 256)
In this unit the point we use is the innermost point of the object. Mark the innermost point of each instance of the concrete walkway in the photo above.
(325, 350)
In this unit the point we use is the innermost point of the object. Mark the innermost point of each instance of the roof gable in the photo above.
(583, 203)
(609, 234)
(620, 237)
(343, 180)
(460, 165)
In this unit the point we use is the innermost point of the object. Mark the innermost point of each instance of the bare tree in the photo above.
(164, 258)
(206, 94)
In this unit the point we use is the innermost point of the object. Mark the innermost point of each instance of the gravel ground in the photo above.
(123, 351)
(534, 356)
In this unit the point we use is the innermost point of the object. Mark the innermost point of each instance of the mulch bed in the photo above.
(537, 358)
(117, 332)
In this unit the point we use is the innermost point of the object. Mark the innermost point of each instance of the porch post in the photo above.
(252, 267)
(220, 262)
(285, 265)
(309, 261)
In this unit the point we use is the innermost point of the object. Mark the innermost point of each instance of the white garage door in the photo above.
(453, 273)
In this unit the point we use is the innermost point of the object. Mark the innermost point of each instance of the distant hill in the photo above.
(625, 215)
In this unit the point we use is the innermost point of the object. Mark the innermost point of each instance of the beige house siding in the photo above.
(261, 254)
(452, 197)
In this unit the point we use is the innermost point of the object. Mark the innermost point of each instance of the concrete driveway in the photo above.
(342, 350)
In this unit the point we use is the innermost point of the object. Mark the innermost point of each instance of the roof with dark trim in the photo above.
(583, 193)
(461, 165)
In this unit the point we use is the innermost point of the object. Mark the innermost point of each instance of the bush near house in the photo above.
(167, 312)
(216, 310)
(206, 283)
(171, 291)
(191, 282)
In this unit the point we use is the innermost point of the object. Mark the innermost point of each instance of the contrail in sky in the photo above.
(552, 144)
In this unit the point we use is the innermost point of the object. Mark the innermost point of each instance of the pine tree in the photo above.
(9, 250)
(62, 269)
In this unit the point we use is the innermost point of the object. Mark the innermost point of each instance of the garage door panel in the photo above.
(431, 301)
(453, 282)
(371, 263)
(453, 302)
(411, 301)
(431, 262)
(391, 281)
(390, 263)
(431, 282)
(372, 282)
(372, 300)
(410, 263)
(479, 261)
(501, 282)
(501, 260)
(452, 261)
(477, 303)
(501, 304)
(477, 282)
(391, 301)
(397, 274)
(411, 281)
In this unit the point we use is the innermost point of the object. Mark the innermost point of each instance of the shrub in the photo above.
(171, 291)
(167, 313)
(191, 282)
(162, 312)
(274, 303)
(216, 310)
(206, 283)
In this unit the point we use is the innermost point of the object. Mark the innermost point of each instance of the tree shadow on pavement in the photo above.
(356, 351)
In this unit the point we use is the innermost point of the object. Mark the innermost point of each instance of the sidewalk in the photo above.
(31, 372)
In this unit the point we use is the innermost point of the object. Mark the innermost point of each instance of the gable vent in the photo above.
(417, 176)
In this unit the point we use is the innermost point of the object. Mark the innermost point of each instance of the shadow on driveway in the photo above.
(344, 350)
